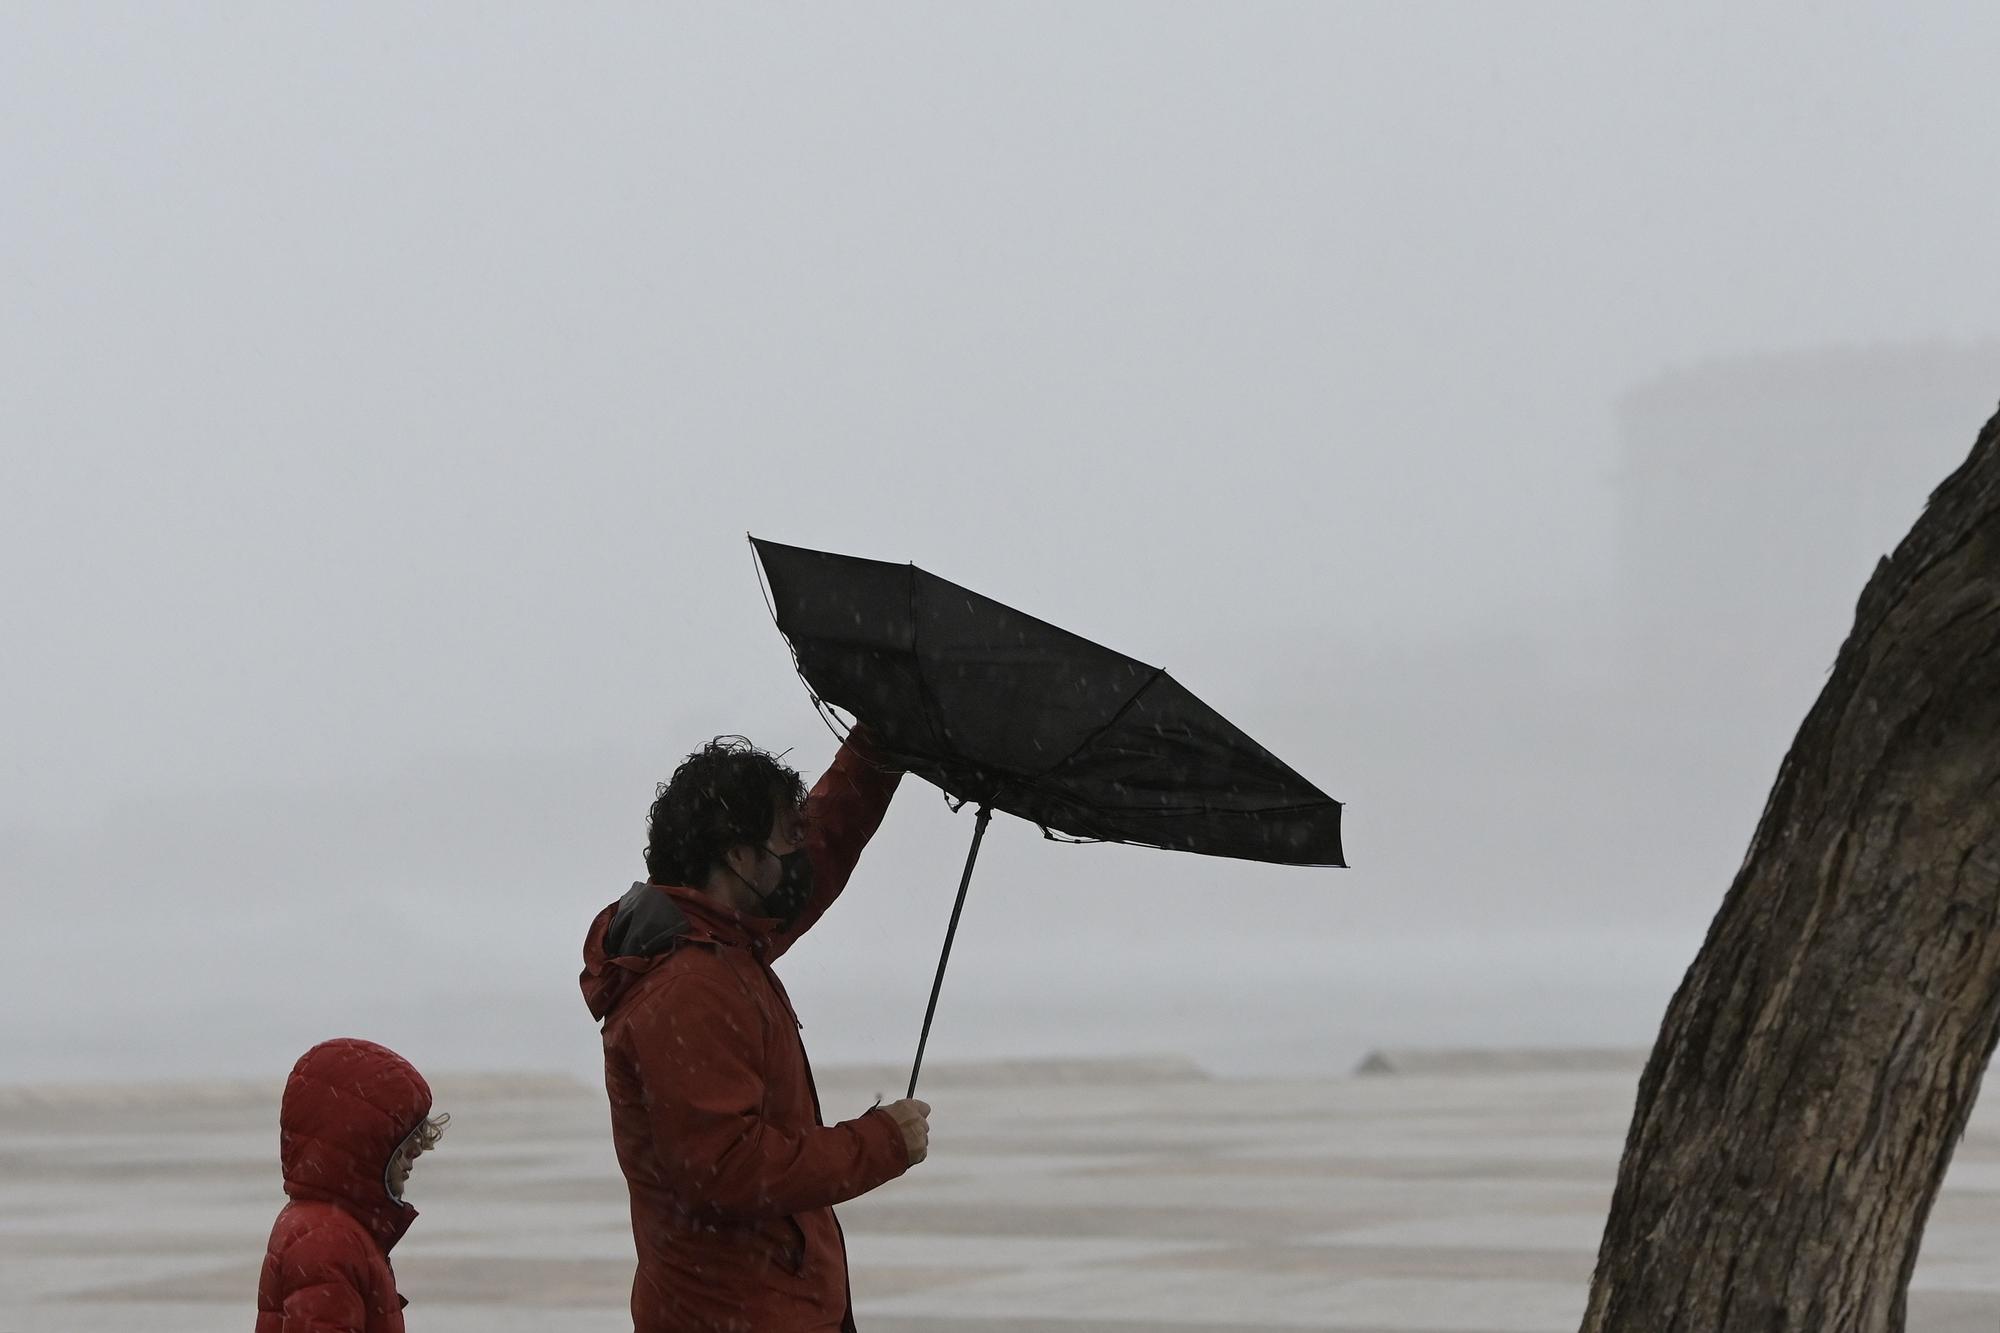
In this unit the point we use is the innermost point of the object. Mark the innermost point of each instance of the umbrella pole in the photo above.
(964, 882)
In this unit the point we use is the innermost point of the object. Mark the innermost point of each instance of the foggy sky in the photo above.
(387, 393)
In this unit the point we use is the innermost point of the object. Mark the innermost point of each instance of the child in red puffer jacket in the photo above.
(354, 1117)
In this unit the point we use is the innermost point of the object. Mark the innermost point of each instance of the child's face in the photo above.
(400, 1164)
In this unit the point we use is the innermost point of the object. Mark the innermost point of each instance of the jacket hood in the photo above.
(348, 1106)
(630, 937)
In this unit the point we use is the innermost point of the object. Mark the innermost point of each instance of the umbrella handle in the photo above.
(964, 882)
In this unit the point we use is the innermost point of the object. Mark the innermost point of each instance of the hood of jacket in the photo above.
(347, 1108)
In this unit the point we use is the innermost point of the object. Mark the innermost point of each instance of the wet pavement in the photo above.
(1443, 1195)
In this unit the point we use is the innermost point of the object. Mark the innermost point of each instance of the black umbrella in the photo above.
(1010, 713)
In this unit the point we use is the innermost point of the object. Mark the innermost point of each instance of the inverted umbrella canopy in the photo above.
(1014, 714)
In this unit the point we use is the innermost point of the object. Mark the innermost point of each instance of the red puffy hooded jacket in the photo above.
(348, 1106)
(732, 1173)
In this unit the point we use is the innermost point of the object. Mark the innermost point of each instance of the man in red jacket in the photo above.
(354, 1117)
(732, 1172)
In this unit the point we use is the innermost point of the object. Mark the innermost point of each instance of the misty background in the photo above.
(1495, 410)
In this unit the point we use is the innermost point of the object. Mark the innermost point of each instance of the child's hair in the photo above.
(426, 1135)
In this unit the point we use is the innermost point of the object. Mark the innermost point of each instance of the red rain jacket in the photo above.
(732, 1173)
(348, 1106)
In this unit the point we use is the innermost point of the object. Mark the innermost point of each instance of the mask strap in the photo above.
(763, 899)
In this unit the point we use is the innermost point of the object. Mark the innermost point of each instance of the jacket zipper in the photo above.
(819, 1119)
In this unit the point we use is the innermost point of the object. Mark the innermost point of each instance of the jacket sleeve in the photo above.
(699, 1069)
(323, 1299)
(843, 810)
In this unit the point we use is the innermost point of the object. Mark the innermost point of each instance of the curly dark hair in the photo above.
(723, 795)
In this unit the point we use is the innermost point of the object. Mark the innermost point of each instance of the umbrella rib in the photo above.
(1109, 723)
(1261, 812)
(820, 705)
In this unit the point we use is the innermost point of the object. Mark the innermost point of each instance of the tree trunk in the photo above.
(1818, 1064)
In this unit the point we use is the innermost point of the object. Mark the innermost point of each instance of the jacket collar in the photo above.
(386, 1221)
(719, 923)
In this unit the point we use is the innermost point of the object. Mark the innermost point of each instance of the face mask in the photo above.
(795, 887)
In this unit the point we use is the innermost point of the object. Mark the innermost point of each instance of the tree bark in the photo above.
(1817, 1066)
